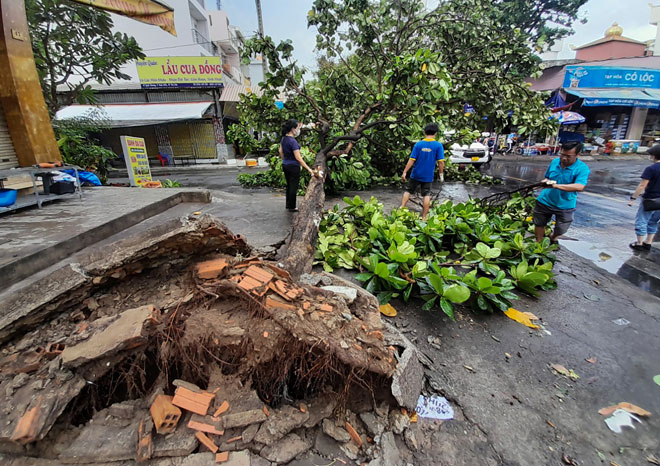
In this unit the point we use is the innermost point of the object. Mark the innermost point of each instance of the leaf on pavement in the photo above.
(656, 379)
(559, 369)
(524, 318)
(631, 408)
(388, 310)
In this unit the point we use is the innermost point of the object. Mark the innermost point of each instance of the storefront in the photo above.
(620, 104)
(179, 131)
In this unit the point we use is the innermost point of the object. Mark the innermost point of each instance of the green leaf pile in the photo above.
(464, 254)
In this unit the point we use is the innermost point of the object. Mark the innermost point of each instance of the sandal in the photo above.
(640, 247)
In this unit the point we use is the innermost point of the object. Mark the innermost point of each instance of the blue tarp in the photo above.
(85, 177)
(646, 98)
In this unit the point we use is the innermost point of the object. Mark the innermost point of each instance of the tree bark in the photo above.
(298, 252)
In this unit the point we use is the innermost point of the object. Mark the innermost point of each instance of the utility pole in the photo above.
(264, 65)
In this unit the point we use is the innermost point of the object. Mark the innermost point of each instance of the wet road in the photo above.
(604, 223)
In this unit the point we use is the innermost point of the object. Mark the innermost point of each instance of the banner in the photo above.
(600, 77)
(180, 72)
(146, 11)
(137, 161)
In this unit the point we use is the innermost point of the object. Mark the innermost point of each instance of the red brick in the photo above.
(145, 445)
(273, 303)
(306, 305)
(204, 427)
(28, 424)
(222, 457)
(278, 271)
(326, 307)
(258, 274)
(194, 402)
(249, 283)
(206, 441)
(222, 408)
(353, 433)
(211, 269)
(165, 415)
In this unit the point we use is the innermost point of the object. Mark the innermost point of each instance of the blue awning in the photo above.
(647, 98)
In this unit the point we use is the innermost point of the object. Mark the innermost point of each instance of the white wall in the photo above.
(157, 43)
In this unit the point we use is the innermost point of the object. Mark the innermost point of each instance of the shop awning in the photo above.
(616, 97)
(126, 115)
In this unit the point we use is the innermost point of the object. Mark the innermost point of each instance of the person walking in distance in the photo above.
(648, 214)
(566, 176)
(291, 161)
(422, 161)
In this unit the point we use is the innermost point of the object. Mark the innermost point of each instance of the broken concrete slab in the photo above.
(39, 402)
(408, 377)
(125, 333)
(349, 293)
(320, 408)
(181, 442)
(239, 458)
(249, 433)
(92, 445)
(331, 429)
(399, 421)
(375, 426)
(286, 449)
(280, 423)
(243, 419)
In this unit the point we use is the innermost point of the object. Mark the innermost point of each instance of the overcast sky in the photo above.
(287, 19)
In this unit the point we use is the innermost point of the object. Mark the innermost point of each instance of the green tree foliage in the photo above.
(464, 254)
(544, 21)
(73, 44)
(78, 143)
(389, 67)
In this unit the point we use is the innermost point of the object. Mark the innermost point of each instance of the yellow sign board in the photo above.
(180, 72)
(137, 161)
(146, 11)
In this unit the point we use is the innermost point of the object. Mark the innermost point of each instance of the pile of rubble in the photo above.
(171, 358)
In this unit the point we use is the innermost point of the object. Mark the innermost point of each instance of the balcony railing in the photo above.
(199, 38)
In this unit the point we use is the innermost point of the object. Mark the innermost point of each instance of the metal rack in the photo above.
(39, 197)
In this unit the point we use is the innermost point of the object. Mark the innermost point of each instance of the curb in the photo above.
(38, 260)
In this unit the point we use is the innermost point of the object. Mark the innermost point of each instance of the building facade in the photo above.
(180, 122)
(615, 84)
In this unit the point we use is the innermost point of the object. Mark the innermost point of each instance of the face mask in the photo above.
(296, 133)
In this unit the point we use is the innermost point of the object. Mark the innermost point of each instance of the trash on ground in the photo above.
(620, 419)
(434, 407)
(524, 318)
(604, 256)
(621, 321)
(388, 310)
(591, 297)
(592, 360)
(629, 407)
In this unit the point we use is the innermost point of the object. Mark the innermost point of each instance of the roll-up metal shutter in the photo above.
(7, 153)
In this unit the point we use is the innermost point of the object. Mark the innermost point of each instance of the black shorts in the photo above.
(543, 214)
(413, 184)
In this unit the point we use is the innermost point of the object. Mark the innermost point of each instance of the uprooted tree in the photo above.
(389, 68)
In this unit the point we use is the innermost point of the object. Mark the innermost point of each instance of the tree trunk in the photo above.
(298, 251)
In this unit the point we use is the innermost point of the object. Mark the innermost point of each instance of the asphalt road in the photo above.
(604, 223)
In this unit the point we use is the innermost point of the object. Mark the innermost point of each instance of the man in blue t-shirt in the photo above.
(565, 177)
(422, 161)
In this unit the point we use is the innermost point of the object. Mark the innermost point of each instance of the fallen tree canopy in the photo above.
(465, 253)
(253, 359)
